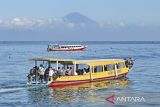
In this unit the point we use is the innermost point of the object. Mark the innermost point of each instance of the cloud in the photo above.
(25, 23)
(70, 25)
(39, 23)
(53, 23)
(107, 24)
(21, 21)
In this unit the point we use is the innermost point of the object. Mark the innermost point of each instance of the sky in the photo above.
(116, 19)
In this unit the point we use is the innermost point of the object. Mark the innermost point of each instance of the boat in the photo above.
(81, 71)
(57, 47)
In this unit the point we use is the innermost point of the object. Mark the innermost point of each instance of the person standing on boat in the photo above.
(50, 74)
(46, 75)
(35, 73)
(30, 75)
(41, 72)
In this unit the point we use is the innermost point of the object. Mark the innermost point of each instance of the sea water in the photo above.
(142, 82)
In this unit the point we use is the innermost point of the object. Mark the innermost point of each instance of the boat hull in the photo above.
(64, 83)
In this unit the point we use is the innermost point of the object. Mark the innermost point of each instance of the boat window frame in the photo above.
(124, 66)
(106, 66)
(80, 70)
(97, 67)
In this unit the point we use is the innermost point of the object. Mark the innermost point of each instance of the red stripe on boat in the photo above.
(64, 83)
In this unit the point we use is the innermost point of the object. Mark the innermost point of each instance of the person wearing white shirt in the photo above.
(41, 71)
(50, 73)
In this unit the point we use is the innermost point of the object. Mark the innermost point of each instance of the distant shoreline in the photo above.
(83, 42)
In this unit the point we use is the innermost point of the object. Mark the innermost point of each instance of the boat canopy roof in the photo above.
(87, 62)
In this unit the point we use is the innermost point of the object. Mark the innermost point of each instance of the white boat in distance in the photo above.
(57, 47)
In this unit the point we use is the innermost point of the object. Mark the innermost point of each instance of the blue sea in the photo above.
(142, 82)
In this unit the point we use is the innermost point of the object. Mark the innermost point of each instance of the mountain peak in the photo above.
(78, 18)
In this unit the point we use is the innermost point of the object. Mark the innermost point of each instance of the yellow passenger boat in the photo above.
(60, 72)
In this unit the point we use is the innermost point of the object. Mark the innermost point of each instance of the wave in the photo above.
(7, 90)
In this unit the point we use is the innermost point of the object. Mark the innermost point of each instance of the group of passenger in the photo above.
(129, 62)
(44, 75)
(83, 71)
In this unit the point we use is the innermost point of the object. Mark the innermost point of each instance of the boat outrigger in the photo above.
(61, 72)
(57, 47)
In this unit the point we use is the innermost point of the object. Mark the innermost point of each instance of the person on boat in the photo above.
(41, 72)
(75, 73)
(46, 75)
(55, 73)
(34, 73)
(63, 71)
(88, 69)
(129, 62)
(50, 73)
(71, 71)
(60, 71)
(84, 71)
(78, 71)
(67, 71)
(30, 75)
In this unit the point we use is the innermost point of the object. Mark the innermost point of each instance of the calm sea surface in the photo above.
(142, 81)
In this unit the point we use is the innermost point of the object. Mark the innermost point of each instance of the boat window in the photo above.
(109, 67)
(82, 69)
(121, 65)
(98, 68)
(56, 46)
